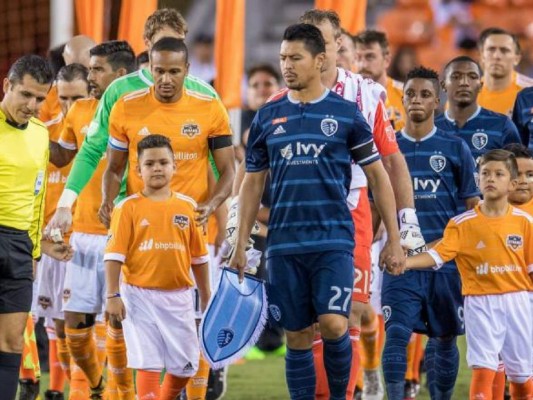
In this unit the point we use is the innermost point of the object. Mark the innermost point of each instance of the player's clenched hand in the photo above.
(392, 257)
(104, 213)
(115, 310)
(203, 211)
(61, 220)
(238, 261)
(59, 251)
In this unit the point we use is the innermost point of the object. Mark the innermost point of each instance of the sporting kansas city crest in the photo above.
(480, 140)
(329, 126)
(437, 162)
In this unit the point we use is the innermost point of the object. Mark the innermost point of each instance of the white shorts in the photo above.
(84, 289)
(500, 325)
(49, 288)
(376, 280)
(160, 330)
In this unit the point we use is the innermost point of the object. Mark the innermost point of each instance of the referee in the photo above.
(23, 161)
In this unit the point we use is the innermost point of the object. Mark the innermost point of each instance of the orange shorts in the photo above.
(362, 218)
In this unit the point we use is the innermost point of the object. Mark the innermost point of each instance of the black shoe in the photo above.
(216, 385)
(29, 390)
(411, 390)
(97, 393)
(53, 395)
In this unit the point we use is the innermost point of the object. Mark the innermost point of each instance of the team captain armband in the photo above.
(219, 142)
(365, 153)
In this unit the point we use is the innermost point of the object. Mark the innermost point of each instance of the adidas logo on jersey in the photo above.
(144, 222)
(188, 367)
(279, 130)
(144, 132)
(146, 245)
(480, 245)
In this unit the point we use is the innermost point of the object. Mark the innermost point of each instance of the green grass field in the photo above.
(265, 380)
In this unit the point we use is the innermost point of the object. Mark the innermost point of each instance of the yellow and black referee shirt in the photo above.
(23, 161)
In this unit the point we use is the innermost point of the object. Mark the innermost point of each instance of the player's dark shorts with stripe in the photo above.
(16, 270)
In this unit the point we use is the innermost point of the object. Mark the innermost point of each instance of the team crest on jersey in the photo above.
(329, 126)
(190, 129)
(480, 140)
(182, 221)
(514, 241)
(437, 162)
(224, 337)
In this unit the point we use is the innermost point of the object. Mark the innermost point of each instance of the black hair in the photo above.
(154, 142)
(425, 73)
(266, 68)
(309, 34)
(370, 36)
(71, 72)
(519, 150)
(484, 35)
(462, 59)
(143, 58)
(171, 44)
(118, 54)
(503, 156)
(35, 66)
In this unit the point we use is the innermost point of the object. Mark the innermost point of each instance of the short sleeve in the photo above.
(220, 125)
(510, 133)
(199, 254)
(448, 247)
(521, 117)
(361, 144)
(67, 139)
(467, 169)
(528, 250)
(120, 234)
(118, 136)
(257, 151)
(383, 132)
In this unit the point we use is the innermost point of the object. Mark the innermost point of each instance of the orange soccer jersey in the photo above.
(502, 101)
(527, 207)
(493, 255)
(57, 177)
(394, 104)
(188, 124)
(157, 240)
(75, 127)
(50, 108)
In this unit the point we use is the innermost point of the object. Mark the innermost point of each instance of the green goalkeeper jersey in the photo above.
(95, 144)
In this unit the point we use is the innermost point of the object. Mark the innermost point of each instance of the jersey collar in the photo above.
(146, 76)
(412, 139)
(317, 100)
(476, 113)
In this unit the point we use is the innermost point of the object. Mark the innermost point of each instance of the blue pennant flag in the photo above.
(234, 319)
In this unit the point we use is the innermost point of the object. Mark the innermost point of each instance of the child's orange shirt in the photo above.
(75, 127)
(493, 255)
(157, 240)
(188, 123)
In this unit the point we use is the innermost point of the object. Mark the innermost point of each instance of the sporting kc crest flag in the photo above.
(234, 318)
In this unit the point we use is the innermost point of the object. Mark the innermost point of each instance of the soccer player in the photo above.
(346, 54)
(23, 162)
(83, 288)
(490, 246)
(373, 59)
(482, 129)
(308, 188)
(499, 52)
(523, 116)
(162, 23)
(72, 84)
(154, 235)
(428, 302)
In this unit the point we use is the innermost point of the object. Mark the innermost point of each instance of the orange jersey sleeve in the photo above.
(394, 105)
(384, 135)
(220, 124)
(118, 135)
(502, 101)
(493, 255)
(50, 108)
(157, 240)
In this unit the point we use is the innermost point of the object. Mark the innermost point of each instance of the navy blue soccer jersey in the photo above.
(309, 149)
(484, 131)
(442, 170)
(523, 116)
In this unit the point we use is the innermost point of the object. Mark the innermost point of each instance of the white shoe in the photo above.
(372, 385)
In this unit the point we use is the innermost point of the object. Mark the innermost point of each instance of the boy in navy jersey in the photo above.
(442, 169)
(523, 116)
(308, 139)
(482, 129)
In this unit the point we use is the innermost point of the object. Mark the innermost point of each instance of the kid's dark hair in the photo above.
(154, 142)
(504, 156)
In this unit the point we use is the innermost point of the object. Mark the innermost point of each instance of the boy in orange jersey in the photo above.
(155, 241)
(491, 246)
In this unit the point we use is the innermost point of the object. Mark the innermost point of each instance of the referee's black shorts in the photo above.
(16, 270)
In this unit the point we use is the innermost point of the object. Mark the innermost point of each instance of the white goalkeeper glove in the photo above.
(411, 237)
(253, 257)
(233, 223)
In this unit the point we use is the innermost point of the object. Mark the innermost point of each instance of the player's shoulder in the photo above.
(198, 97)
(523, 81)
(464, 217)
(448, 137)
(526, 94)
(493, 116)
(442, 120)
(199, 86)
(280, 94)
(51, 123)
(185, 200)
(38, 127)
(130, 201)
(136, 95)
(517, 212)
(396, 85)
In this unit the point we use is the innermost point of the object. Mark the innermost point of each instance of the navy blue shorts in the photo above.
(429, 302)
(304, 286)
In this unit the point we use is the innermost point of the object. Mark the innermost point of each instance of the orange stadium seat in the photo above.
(407, 26)
(517, 20)
(412, 3)
(493, 3)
